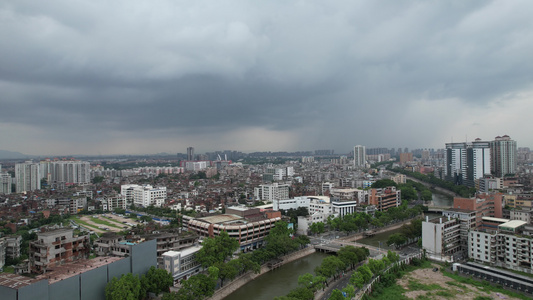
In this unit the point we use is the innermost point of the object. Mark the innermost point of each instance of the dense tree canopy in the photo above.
(128, 287)
(157, 280)
(217, 249)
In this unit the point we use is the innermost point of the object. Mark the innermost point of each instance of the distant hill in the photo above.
(4, 154)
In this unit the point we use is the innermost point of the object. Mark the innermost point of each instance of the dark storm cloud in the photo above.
(329, 69)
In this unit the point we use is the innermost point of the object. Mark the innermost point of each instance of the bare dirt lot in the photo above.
(425, 283)
(114, 223)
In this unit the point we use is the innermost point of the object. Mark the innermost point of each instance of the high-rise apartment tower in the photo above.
(359, 156)
(504, 154)
(190, 153)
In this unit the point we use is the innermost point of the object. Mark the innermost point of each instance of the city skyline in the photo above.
(131, 77)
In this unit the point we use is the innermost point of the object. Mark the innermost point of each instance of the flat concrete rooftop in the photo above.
(67, 270)
(15, 281)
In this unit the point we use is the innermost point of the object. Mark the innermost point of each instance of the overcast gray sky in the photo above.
(109, 77)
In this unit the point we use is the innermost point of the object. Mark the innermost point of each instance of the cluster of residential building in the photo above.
(227, 199)
(482, 230)
(468, 163)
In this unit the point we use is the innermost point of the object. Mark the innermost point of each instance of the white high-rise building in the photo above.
(455, 170)
(69, 171)
(27, 177)
(478, 161)
(45, 169)
(467, 162)
(5, 183)
(144, 195)
(359, 156)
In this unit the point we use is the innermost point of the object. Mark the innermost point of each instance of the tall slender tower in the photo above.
(503, 154)
(359, 156)
(190, 153)
(27, 177)
(478, 161)
(455, 170)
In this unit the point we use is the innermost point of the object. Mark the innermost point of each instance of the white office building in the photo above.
(144, 195)
(319, 210)
(271, 192)
(341, 208)
(182, 264)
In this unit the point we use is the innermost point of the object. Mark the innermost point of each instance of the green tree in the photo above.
(217, 249)
(357, 279)
(393, 256)
(128, 287)
(396, 239)
(365, 272)
(426, 195)
(336, 295)
(350, 291)
(375, 265)
(330, 266)
(98, 179)
(156, 280)
(227, 270)
(279, 240)
(382, 183)
(311, 282)
(146, 219)
(408, 192)
(318, 227)
(248, 263)
(348, 255)
(301, 293)
(196, 287)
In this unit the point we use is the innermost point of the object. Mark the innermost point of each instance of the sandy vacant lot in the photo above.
(115, 220)
(449, 287)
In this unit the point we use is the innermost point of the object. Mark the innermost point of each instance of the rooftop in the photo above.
(15, 281)
(491, 219)
(513, 224)
(190, 250)
(67, 270)
(55, 232)
(221, 218)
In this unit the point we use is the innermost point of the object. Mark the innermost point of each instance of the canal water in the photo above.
(380, 239)
(278, 282)
(441, 199)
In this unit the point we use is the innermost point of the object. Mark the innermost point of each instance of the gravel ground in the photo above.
(459, 291)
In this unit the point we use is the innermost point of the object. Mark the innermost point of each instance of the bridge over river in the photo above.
(335, 245)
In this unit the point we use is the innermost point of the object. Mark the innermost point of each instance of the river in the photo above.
(439, 199)
(278, 282)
